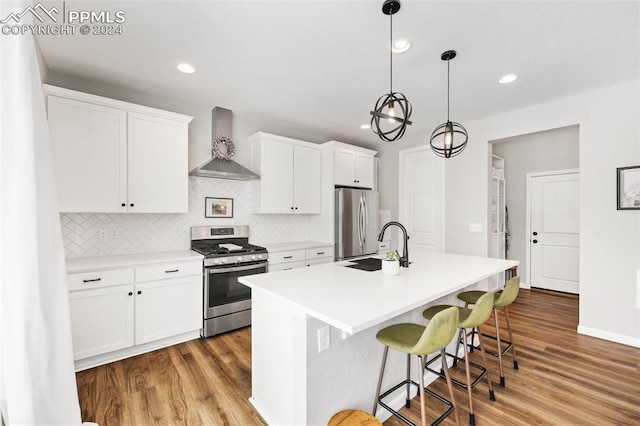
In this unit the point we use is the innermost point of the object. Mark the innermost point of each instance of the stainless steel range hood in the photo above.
(217, 167)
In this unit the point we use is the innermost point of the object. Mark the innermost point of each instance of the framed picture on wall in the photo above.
(628, 185)
(218, 207)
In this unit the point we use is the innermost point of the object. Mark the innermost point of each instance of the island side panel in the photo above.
(278, 359)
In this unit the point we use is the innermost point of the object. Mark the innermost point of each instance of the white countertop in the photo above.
(126, 260)
(353, 300)
(295, 245)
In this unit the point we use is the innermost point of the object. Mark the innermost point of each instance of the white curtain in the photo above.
(37, 380)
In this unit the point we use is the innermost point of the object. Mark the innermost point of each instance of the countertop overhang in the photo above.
(353, 300)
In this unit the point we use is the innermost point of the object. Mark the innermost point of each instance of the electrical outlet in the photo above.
(113, 233)
(324, 338)
(475, 227)
(102, 233)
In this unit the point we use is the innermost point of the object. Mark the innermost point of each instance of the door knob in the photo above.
(535, 233)
(535, 241)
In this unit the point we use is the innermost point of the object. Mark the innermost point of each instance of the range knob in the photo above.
(260, 256)
(223, 260)
(239, 258)
(254, 257)
(216, 261)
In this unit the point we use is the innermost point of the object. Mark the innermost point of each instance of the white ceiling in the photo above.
(320, 66)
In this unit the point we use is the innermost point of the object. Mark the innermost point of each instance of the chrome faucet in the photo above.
(404, 260)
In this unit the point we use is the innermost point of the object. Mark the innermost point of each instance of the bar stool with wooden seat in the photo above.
(416, 339)
(502, 300)
(468, 318)
(353, 418)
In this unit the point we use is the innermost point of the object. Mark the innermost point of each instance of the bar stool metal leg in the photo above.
(512, 346)
(384, 361)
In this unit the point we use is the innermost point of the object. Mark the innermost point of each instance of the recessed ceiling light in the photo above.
(186, 68)
(509, 78)
(401, 45)
(365, 126)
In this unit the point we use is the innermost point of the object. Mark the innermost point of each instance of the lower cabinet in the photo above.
(101, 320)
(166, 308)
(112, 320)
(291, 259)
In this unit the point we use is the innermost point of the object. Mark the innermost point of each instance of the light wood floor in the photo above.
(564, 379)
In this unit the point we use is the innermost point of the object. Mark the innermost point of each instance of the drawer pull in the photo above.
(287, 269)
(287, 257)
(321, 252)
(173, 270)
(91, 281)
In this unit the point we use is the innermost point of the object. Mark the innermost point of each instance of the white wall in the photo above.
(610, 240)
(609, 246)
(556, 149)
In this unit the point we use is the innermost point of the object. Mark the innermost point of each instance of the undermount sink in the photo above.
(367, 264)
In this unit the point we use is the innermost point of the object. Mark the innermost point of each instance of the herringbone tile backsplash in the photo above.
(94, 234)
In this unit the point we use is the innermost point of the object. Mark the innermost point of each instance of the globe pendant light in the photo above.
(391, 115)
(450, 138)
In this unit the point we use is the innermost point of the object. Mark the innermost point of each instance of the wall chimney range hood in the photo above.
(218, 167)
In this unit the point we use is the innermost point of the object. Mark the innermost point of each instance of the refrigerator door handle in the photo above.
(360, 216)
(365, 221)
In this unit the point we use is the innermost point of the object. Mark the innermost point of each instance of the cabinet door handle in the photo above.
(124, 205)
(287, 257)
(291, 207)
(92, 281)
(131, 204)
(130, 293)
(173, 270)
(139, 291)
(296, 208)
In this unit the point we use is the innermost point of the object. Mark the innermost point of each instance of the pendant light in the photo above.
(390, 117)
(450, 138)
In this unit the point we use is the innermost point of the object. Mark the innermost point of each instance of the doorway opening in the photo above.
(539, 152)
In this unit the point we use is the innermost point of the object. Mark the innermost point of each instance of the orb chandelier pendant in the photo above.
(390, 117)
(449, 139)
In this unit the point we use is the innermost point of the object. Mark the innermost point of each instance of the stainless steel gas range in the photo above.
(227, 256)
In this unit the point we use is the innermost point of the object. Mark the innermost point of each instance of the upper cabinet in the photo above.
(115, 157)
(354, 166)
(290, 174)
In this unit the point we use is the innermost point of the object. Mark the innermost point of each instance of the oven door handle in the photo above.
(237, 268)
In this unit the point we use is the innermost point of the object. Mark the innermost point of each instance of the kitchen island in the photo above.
(293, 383)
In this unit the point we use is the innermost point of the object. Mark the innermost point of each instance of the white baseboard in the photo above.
(612, 337)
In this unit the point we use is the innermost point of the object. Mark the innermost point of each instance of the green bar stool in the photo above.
(503, 299)
(468, 318)
(415, 339)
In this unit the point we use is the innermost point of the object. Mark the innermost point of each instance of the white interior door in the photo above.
(554, 231)
(422, 198)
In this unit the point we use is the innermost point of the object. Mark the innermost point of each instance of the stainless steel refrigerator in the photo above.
(356, 222)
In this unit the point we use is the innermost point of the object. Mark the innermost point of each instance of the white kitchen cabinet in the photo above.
(286, 259)
(113, 157)
(299, 256)
(290, 175)
(116, 313)
(167, 308)
(354, 167)
(101, 320)
(158, 178)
